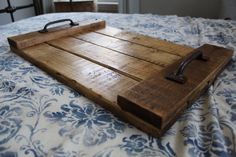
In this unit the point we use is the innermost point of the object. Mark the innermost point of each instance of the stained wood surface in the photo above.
(123, 72)
(147, 41)
(167, 99)
(129, 66)
(33, 38)
(98, 83)
(138, 51)
(79, 71)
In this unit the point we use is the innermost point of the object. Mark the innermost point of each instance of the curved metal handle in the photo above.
(178, 75)
(45, 29)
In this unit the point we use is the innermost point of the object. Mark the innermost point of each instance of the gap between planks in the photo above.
(39, 58)
(172, 48)
(138, 70)
(99, 63)
(118, 51)
(133, 42)
(138, 51)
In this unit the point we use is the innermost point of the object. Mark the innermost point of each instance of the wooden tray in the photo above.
(145, 81)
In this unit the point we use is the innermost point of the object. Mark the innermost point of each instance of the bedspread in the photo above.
(40, 116)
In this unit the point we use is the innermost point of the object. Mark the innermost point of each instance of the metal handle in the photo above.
(178, 75)
(45, 29)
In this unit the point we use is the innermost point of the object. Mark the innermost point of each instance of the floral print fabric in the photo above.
(40, 117)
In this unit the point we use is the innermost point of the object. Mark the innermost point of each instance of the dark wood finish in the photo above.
(108, 7)
(74, 6)
(123, 72)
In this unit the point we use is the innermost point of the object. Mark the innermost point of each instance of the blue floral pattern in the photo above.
(138, 145)
(7, 86)
(96, 124)
(42, 117)
(207, 141)
(220, 38)
(8, 63)
(9, 124)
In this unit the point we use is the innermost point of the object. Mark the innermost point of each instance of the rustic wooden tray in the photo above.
(145, 81)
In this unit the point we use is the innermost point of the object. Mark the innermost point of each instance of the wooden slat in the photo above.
(126, 65)
(94, 77)
(159, 44)
(160, 101)
(135, 50)
(100, 84)
(113, 67)
(34, 38)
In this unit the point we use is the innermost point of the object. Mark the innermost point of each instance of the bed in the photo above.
(40, 116)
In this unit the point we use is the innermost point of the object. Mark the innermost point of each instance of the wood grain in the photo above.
(162, 45)
(160, 101)
(33, 38)
(91, 76)
(138, 51)
(123, 72)
(100, 84)
(126, 65)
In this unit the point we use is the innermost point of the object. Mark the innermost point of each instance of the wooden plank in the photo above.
(123, 64)
(160, 101)
(155, 43)
(100, 84)
(113, 67)
(125, 47)
(85, 73)
(33, 38)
